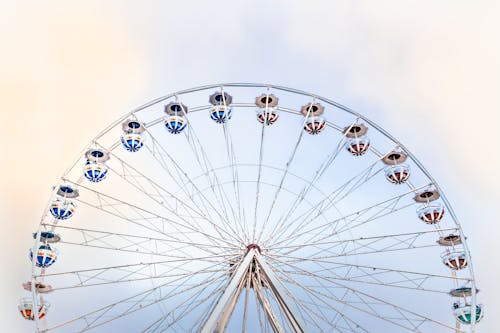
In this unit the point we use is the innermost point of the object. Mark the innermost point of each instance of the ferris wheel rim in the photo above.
(435, 184)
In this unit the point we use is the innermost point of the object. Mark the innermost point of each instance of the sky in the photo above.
(427, 71)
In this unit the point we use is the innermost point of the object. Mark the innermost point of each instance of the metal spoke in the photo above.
(137, 304)
(140, 244)
(404, 313)
(369, 244)
(329, 229)
(205, 164)
(164, 159)
(327, 162)
(136, 272)
(188, 307)
(143, 217)
(373, 275)
(285, 173)
(162, 196)
(334, 197)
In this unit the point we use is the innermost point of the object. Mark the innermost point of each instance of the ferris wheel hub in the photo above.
(253, 246)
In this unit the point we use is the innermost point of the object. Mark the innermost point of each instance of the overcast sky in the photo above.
(427, 71)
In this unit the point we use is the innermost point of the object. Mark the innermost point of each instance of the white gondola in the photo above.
(132, 138)
(27, 310)
(464, 313)
(175, 124)
(132, 142)
(267, 112)
(431, 214)
(358, 146)
(95, 169)
(314, 125)
(454, 259)
(397, 174)
(396, 171)
(175, 121)
(62, 209)
(221, 110)
(267, 116)
(357, 142)
(46, 256)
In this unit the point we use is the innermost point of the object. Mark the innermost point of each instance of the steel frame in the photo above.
(234, 288)
(219, 317)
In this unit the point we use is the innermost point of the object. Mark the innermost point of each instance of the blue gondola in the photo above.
(175, 124)
(132, 138)
(62, 209)
(95, 171)
(221, 113)
(46, 256)
(132, 141)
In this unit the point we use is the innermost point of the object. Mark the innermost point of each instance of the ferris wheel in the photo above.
(247, 208)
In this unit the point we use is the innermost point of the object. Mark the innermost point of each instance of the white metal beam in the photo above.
(295, 318)
(218, 318)
(227, 302)
(271, 316)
